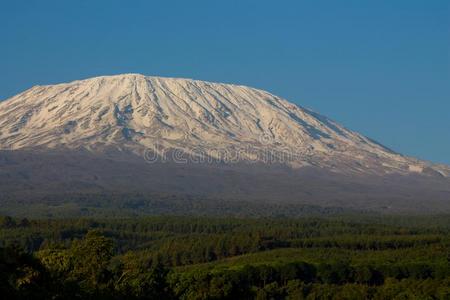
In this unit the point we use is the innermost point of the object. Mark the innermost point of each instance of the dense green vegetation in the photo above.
(136, 204)
(348, 257)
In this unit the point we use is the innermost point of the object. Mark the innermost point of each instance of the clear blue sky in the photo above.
(379, 67)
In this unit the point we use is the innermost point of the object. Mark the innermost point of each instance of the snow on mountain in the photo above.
(135, 112)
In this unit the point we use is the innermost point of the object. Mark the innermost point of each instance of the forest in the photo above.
(194, 257)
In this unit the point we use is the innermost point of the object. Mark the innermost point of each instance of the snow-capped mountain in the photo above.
(136, 113)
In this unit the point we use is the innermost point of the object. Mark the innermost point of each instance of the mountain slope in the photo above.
(200, 119)
(136, 144)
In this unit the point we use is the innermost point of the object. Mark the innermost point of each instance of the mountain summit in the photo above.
(139, 144)
(138, 113)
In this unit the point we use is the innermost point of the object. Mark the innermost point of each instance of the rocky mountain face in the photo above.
(200, 119)
(136, 134)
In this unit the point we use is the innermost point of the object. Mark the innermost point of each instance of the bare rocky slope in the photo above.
(211, 139)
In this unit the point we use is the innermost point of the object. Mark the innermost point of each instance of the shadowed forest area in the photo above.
(337, 257)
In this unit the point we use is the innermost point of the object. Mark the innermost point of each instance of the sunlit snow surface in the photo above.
(136, 112)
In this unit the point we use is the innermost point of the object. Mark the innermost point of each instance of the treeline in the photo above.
(136, 204)
(190, 240)
(195, 249)
(300, 280)
(83, 271)
(222, 258)
(88, 270)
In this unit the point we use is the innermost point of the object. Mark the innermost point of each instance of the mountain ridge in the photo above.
(140, 113)
(155, 144)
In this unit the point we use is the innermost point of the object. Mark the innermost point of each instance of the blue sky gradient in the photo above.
(379, 67)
